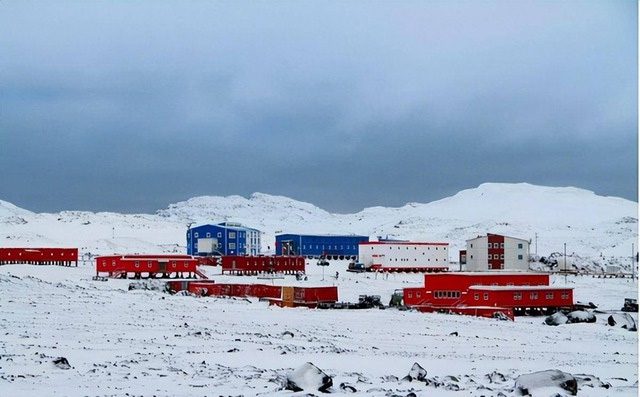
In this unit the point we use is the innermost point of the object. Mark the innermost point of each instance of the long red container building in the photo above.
(478, 293)
(285, 296)
(252, 265)
(148, 265)
(39, 256)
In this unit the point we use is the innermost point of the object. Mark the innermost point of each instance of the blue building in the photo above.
(316, 246)
(223, 239)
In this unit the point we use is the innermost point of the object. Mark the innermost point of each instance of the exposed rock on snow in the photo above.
(556, 319)
(287, 334)
(62, 363)
(585, 380)
(308, 377)
(348, 387)
(623, 320)
(545, 383)
(416, 373)
(496, 377)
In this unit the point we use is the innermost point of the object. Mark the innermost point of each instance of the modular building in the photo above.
(496, 252)
(223, 239)
(319, 246)
(252, 265)
(394, 256)
(284, 296)
(489, 292)
(148, 265)
(39, 256)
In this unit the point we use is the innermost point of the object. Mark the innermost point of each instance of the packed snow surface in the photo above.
(65, 334)
(145, 342)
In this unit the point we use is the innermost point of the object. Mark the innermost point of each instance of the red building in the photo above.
(251, 265)
(507, 292)
(284, 296)
(148, 266)
(39, 256)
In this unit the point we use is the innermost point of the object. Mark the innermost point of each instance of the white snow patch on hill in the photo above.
(596, 228)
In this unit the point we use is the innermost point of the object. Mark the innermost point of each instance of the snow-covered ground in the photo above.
(121, 342)
(151, 343)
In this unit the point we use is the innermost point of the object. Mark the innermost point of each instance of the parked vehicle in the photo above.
(630, 305)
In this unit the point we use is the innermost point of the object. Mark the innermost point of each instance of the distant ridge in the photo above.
(595, 227)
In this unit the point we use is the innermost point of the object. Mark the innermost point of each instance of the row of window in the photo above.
(335, 247)
(231, 235)
(517, 296)
(446, 294)
(497, 245)
(232, 246)
(499, 256)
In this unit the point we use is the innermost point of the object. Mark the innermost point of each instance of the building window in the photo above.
(232, 246)
(533, 296)
(232, 234)
(195, 234)
(471, 245)
(489, 257)
(208, 234)
(565, 295)
(489, 245)
(517, 296)
(219, 234)
(486, 296)
(501, 245)
(549, 295)
(520, 246)
(476, 297)
(446, 294)
(501, 256)
(520, 257)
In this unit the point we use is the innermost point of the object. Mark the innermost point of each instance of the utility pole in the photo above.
(565, 263)
(633, 262)
(190, 239)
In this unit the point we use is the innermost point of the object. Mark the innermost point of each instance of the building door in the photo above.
(287, 296)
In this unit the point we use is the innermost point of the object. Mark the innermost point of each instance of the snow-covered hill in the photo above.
(594, 227)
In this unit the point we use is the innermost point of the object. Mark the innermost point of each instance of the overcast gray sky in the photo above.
(130, 106)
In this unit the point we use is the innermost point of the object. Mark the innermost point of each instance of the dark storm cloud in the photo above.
(130, 106)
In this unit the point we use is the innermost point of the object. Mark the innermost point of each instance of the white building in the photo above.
(495, 252)
(404, 256)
